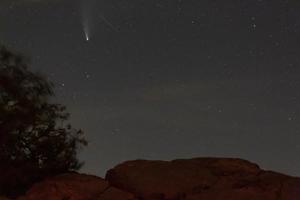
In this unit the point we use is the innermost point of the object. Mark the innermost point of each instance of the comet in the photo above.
(86, 32)
(89, 20)
(87, 36)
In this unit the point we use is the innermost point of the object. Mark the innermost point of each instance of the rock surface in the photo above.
(75, 186)
(4, 198)
(202, 178)
(191, 179)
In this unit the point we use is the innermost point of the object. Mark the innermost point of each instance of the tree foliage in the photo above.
(32, 129)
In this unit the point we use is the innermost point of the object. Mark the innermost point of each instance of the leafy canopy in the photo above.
(33, 130)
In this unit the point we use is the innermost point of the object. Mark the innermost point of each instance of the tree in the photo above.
(34, 131)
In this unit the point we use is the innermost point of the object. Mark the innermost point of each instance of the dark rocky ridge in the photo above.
(190, 179)
(203, 178)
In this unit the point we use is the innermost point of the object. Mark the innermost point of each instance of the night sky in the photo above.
(166, 79)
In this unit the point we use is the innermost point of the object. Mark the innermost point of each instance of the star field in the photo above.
(171, 79)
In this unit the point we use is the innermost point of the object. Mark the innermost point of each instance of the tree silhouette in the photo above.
(33, 131)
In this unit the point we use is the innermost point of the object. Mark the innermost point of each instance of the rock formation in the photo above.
(202, 178)
(190, 179)
(75, 186)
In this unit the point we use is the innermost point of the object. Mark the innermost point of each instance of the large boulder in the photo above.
(202, 178)
(75, 186)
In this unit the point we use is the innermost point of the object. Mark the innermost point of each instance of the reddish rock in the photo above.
(4, 198)
(74, 187)
(116, 194)
(193, 179)
(291, 189)
(202, 178)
